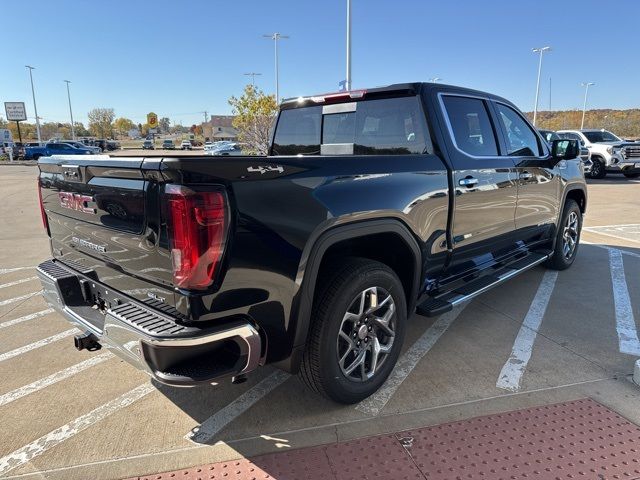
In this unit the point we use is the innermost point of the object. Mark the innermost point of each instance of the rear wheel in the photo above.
(567, 237)
(598, 169)
(357, 330)
(632, 175)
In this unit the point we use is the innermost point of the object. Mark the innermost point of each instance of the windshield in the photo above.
(602, 136)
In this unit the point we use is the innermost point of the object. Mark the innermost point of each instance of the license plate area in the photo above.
(90, 301)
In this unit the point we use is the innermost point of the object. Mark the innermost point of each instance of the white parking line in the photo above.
(407, 362)
(212, 425)
(38, 344)
(513, 370)
(17, 299)
(16, 269)
(625, 322)
(53, 378)
(17, 282)
(606, 247)
(15, 321)
(599, 231)
(41, 445)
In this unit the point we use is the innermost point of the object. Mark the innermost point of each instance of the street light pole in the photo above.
(73, 130)
(347, 80)
(253, 77)
(541, 51)
(35, 109)
(275, 37)
(584, 105)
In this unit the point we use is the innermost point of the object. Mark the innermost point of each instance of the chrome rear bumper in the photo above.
(170, 352)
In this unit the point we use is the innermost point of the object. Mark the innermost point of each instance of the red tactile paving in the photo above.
(574, 440)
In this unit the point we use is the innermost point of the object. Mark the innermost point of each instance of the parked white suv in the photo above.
(609, 153)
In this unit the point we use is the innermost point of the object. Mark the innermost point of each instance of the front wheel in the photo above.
(567, 237)
(598, 169)
(632, 175)
(358, 325)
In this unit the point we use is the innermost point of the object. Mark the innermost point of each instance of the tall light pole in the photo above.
(35, 109)
(73, 130)
(253, 76)
(435, 79)
(541, 51)
(275, 37)
(584, 105)
(347, 80)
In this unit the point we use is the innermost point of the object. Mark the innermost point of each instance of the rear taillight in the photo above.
(45, 221)
(197, 224)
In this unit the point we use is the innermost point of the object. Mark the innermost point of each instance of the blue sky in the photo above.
(178, 59)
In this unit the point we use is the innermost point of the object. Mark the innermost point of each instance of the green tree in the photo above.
(80, 130)
(100, 121)
(123, 125)
(254, 114)
(164, 124)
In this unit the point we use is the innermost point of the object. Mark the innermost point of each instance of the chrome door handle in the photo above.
(526, 176)
(468, 182)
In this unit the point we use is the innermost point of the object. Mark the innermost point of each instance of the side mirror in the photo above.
(565, 150)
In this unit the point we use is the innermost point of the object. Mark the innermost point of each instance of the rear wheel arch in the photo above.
(388, 241)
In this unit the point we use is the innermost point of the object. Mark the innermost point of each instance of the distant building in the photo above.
(219, 127)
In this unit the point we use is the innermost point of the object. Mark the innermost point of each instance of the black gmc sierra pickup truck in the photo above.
(372, 205)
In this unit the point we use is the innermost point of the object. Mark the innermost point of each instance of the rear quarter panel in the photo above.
(281, 205)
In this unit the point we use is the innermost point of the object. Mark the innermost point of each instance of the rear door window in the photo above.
(471, 126)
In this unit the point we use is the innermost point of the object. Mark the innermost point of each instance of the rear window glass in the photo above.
(298, 132)
(393, 126)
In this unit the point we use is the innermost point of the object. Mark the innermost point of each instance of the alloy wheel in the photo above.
(570, 235)
(366, 334)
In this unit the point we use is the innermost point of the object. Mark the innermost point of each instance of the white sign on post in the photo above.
(15, 111)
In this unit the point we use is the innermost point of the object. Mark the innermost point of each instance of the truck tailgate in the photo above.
(103, 213)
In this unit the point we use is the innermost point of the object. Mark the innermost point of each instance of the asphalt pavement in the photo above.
(542, 338)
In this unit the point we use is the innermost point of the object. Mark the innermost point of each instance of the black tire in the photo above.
(322, 368)
(631, 175)
(36, 156)
(598, 169)
(561, 259)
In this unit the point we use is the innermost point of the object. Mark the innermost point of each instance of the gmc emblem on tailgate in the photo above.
(75, 201)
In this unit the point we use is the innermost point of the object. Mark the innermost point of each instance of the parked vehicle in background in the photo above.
(54, 148)
(148, 145)
(371, 205)
(585, 155)
(113, 145)
(185, 145)
(224, 149)
(79, 145)
(168, 145)
(609, 153)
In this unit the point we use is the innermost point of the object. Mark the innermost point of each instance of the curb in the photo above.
(28, 163)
